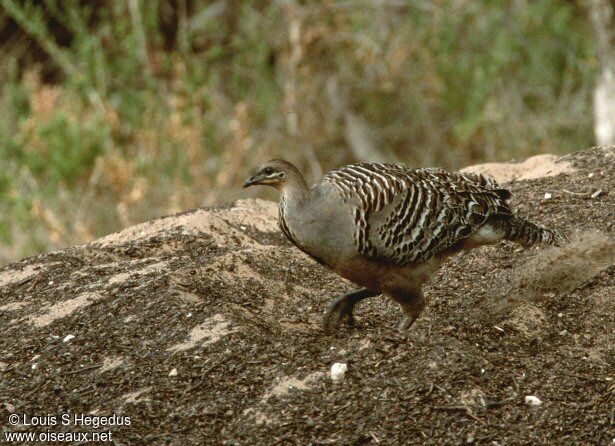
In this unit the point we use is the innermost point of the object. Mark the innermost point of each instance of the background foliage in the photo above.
(116, 112)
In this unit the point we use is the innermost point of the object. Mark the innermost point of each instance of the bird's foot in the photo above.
(338, 310)
(406, 323)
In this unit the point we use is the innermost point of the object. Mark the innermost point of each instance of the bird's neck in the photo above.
(294, 192)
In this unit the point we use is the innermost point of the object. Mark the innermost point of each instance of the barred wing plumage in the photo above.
(405, 215)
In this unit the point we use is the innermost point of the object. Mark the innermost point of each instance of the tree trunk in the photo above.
(602, 16)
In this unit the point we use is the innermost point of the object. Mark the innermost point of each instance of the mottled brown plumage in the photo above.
(387, 227)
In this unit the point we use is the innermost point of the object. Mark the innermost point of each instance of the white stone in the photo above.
(533, 400)
(596, 194)
(173, 372)
(68, 338)
(548, 196)
(338, 370)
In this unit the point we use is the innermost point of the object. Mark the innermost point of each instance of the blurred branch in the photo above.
(290, 85)
(400, 5)
(359, 135)
(30, 19)
(291, 99)
(198, 22)
(601, 14)
(139, 30)
(17, 44)
(183, 38)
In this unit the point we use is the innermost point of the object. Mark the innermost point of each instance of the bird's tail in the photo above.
(525, 232)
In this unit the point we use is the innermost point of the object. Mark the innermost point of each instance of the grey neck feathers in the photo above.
(294, 191)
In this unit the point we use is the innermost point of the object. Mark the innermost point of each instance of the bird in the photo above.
(388, 227)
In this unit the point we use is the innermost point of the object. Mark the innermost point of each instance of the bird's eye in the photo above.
(267, 171)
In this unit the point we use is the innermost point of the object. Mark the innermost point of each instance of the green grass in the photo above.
(126, 114)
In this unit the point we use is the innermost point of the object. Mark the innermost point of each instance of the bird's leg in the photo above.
(412, 304)
(342, 307)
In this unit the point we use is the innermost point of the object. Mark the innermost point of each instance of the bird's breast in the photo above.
(319, 230)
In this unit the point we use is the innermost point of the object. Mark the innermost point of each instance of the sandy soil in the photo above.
(538, 166)
(205, 328)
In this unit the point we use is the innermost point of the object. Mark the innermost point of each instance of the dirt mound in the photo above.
(205, 328)
(538, 166)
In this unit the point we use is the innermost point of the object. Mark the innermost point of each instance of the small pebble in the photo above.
(548, 196)
(533, 400)
(173, 372)
(338, 370)
(68, 338)
(596, 194)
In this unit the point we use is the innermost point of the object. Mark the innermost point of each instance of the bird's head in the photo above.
(272, 173)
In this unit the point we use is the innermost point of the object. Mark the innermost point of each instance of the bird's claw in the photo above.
(336, 313)
(406, 323)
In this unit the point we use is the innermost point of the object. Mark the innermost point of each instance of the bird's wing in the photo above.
(405, 215)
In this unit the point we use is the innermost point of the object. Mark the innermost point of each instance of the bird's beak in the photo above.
(251, 181)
